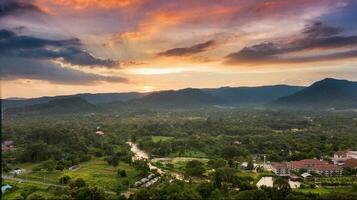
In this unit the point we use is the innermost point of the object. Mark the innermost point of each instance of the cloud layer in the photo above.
(314, 36)
(33, 58)
(183, 51)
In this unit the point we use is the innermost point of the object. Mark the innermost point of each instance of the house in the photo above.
(308, 165)
(100, 133)
(7, 145)
(351, 163)
(5, 188)
(74, 167)
(281, 169)
(237, 142)
(340, 157)
(17, 172)
(306, 175)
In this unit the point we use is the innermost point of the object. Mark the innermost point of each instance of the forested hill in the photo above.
(253, 95)
(73, 105)
(327, 93)
(91, 98)
(324, 94)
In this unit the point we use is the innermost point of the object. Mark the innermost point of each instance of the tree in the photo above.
(195, 168)
(113, 160)
(205, 189)
(250, 165)
(79, 182)
(229, 152)
(252, 194)
(64, 179)
(281, 186)
(121, 173)
(49, 165)
(90, 193)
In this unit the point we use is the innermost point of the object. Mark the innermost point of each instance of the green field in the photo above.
(321, 190)
(98, 172)
(162, 138)
(20, 189)
(255, 175)
(189, 153)
(95, 172)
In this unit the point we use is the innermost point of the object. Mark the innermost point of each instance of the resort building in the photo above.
(307, 165)
(340, 157)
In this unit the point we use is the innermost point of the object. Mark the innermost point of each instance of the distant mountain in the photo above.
(72, 105)
(184, 98)
(327, 93)
(253, 95)
(91, 98)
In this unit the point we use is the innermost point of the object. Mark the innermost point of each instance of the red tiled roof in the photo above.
(327, 167)
(352, 163)
(302, 164)
(279, 165)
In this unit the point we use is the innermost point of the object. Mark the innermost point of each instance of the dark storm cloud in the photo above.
(198, 48)
(13, 45)
(16, 68)
(11, 7)
(315, 36)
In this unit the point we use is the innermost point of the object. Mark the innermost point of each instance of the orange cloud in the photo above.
(83, 4)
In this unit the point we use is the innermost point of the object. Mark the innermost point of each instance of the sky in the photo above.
(57, 47)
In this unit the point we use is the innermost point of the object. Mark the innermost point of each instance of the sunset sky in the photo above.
(55, 47)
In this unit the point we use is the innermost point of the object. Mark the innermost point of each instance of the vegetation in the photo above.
(207, 147)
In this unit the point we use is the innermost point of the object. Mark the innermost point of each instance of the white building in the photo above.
(340, 157)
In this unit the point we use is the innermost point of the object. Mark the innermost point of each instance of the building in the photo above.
(5, 188)
(17, 172)
(237, 142)
(328, 170)
(281, 169)
(351, 163)
(7, 145)
(100, 133)
(308, 165)
(340, 157)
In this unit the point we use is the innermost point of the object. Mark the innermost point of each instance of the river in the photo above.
(142, 155)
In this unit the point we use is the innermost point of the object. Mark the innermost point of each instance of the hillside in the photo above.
(253, 95)
(180, 98)
(327, 93)
(91, 98)
(72, 105)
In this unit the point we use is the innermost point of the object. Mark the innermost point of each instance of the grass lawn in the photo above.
(316, 190)
(255, 175)
(95, 172)
(162, 138)
(98, 172)
(189, 153)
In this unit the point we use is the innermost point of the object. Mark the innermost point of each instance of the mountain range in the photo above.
(325, 94)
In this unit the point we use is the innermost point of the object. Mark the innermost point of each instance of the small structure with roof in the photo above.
(17, 171)
(306, 175)
(5, 188)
